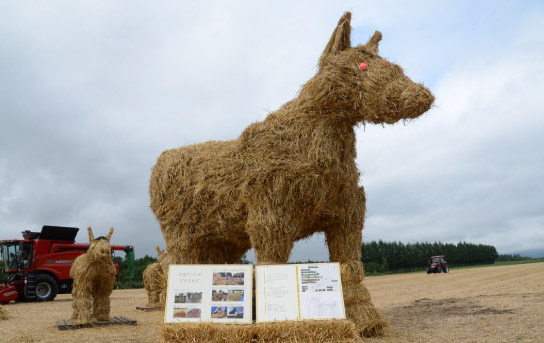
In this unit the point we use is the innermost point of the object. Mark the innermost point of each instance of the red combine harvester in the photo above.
(437, 264)
(37, 268)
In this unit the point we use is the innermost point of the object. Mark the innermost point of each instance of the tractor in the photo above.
(437, 264)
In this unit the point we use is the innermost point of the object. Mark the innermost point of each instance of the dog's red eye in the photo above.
(362, 66)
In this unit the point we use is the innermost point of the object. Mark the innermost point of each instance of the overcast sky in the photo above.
(91, 92)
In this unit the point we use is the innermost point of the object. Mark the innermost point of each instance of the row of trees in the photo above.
(378, 257)
(396, 256)
(514, 257)
(140, 264)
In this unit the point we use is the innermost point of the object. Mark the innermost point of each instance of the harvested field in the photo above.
(490, 304)
(37, 322)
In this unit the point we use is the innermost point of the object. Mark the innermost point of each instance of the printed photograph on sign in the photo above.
(219, 294)
(228, 295)
(228, 278)
(193, 313)
(235, 295)
(180, 312)
(235, 312)
(188, 297)
(219, 312)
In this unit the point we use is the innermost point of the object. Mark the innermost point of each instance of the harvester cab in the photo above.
(16, 255)
(437, 264)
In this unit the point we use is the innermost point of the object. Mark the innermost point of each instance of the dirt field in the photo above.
(492, 304)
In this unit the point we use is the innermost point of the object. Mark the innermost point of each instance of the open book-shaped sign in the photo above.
(223, 293)
(216, 293)
(299, 291)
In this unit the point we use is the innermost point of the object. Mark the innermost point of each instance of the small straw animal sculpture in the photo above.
(153, 280)
(164, 260)
(291, 175)
(94, 277)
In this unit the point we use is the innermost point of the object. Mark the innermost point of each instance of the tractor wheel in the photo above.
(46, 287)
(446, 268)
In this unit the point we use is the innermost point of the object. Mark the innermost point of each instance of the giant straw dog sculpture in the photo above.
(291, 175)
(94, 277)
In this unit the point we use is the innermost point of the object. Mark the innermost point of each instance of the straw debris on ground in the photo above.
(291, 175)
(3, 314)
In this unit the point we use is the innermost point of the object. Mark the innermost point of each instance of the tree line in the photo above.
(379, 257)
(513, 257)
(123, 279)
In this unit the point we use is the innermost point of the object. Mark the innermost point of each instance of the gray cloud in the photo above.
(91, 93)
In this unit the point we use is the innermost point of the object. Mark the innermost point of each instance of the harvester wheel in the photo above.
(46, 287)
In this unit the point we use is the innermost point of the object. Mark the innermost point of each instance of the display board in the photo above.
(299, 291)
(217, 293)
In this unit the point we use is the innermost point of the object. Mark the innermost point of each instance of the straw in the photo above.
(290, 175)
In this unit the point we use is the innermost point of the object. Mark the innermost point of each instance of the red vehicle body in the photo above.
(38, 266)
(437, 264)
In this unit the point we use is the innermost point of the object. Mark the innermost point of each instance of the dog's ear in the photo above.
(108, 237)
(91, 236)
(372, 44)
(340, 39)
